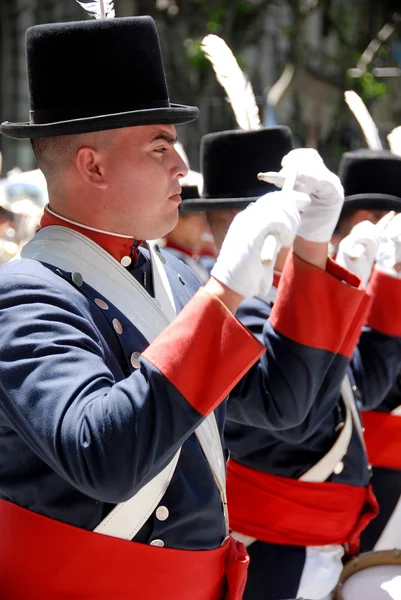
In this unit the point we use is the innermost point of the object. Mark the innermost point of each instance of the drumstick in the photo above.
(271, 246)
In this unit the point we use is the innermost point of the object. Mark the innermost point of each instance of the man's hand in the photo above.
(389, 253)
(357, 252)
(239, 266)
(324, 188)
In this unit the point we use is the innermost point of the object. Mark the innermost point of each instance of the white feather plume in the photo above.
(394, 140)
(237, 87)
(100, 9)
(364, 119)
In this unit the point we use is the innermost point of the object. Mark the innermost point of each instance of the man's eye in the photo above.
(161, 150)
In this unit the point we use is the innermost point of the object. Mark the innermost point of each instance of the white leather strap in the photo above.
(69, 250)
(127, 518)
(325, 467)
(349, 399)
(322, 470)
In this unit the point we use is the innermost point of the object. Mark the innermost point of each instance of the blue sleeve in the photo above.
(376, 364)
(295, 383)
(59, 389)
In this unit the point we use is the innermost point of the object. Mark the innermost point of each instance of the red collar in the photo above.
(176, 246)
(114, 245)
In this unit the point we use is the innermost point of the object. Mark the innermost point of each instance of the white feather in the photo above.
(99, 9)
(364, 119)
(230, 76)
(394, 140)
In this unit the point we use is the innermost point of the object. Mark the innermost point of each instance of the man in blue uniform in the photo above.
(112, 478)
(298, 475)
(372, 184)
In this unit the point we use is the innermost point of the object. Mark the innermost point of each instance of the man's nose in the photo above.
(180, 167)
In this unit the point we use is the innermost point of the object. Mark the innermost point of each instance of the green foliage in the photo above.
(343, 19)
(195, 56)
(371, 88)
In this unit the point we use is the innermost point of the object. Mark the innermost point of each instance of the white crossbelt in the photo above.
(70, 251)
(325, 467)
(322, 470)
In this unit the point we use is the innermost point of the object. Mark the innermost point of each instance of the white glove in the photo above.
(357, 252)
(324, 188)
(389, 254)
(239, 265)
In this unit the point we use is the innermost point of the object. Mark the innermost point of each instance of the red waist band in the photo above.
(43, 559)
(285, 511)
(383, 439)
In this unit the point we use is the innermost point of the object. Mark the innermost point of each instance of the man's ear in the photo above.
(90, 166)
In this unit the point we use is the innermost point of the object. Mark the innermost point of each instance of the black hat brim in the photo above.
(205, 204)
(385, 202)
(172, 115)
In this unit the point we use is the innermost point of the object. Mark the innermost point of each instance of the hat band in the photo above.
(44, 116)
(247, 193)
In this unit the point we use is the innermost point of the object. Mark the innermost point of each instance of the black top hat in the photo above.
(371, 180)
(230, 162)
(189, 191)
(95, 75)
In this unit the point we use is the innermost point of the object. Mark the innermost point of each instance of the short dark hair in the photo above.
(51, 153)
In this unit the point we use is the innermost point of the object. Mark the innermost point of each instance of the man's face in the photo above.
(142, 174)
(219, 223)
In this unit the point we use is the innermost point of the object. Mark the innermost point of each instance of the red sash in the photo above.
(383, 439)
(44, 559)
(281, 510)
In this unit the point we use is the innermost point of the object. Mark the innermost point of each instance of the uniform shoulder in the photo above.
(176, 266)
(28, 275)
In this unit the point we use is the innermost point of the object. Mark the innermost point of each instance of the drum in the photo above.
(371, 576)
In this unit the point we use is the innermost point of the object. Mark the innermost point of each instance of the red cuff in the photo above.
(385, 312)
(319, 308)
(204, 352)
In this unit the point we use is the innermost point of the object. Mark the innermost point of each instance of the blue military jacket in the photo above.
(257, 441)
(80, 427)
(83, 428)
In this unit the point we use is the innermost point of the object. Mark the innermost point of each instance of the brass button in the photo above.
(135, 360)
(101, 304)
(118, 328)
(339, 467)
(158, 543)
(162, 513)
(77, 278)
